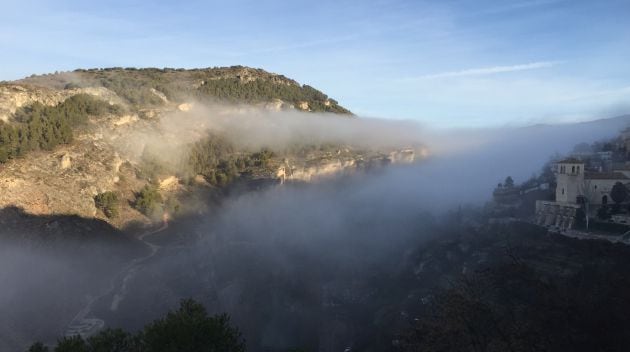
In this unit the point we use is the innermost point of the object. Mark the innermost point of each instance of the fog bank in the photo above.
(279, 258)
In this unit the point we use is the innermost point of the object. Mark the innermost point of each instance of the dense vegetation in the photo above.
(148, 199)
(189, 329)
(108, 203)
(543, 293)
(234, 90)
(220, 163)
(235, 84)
(211, 157)
(41, 127)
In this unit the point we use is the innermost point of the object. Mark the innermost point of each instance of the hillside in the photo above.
(156, 87)
(149, 140)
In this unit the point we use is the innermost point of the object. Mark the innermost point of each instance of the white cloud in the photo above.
(492, 70)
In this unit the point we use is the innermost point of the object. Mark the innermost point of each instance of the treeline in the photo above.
(217, 160)
(213, 157)
(259, 90)
(223, 84)
(134, 85)
(40, 127)
(189, 328)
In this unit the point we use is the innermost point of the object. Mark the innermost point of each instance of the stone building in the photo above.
(569, 179)
(575, 185)
(576, 188)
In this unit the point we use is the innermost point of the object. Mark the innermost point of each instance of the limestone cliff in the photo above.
(109, 153)
(15, 96)
(307, 171)
(66, 180)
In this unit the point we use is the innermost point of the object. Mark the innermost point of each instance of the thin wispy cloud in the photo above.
(516, 6)
(482, 71)
(443, 62)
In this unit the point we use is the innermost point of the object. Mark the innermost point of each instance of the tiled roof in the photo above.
(605, 176)
(570, 161)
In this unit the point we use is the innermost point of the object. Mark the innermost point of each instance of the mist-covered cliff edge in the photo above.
(146, 140)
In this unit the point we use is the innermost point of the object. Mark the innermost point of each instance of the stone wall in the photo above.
(559, 215)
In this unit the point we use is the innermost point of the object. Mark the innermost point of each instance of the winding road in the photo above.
(85, 326)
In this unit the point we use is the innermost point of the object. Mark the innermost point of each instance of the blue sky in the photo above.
(444, 63)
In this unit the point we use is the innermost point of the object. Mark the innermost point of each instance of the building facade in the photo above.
(578, 188)
(576, 185)
(569, 180)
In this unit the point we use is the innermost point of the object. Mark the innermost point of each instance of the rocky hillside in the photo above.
(157, 87)
(95, 143)
(15, 96)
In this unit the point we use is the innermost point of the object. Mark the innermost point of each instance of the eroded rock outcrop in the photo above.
(328, 167)
(15, 96)
(110, 153)
(65, 181)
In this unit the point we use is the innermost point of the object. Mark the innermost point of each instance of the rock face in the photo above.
(403, 156)
(160, 95)
(100, 92)
(559, 215)
(185, 107)
(170, 183)
(15, 96)
(277, 105)
(325, 168)
(65, 162)
(318, 171)
(107, 153)
(248, 74)
(125, 120)
(303, 105)
(66, 180)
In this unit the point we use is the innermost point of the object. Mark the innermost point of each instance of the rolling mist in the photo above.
(297, 265)
(251, 128)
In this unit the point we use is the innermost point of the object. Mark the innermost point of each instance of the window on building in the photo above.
(578, 169)
(573, 169)
(563, 191)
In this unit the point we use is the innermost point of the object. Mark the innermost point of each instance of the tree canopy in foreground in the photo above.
(188, 328)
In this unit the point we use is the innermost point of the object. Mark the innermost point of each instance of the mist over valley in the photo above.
(314, 231)
(314, 176)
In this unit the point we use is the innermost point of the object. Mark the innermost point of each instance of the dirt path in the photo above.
(84, 326)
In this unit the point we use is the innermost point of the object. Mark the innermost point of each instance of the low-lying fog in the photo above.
(279, 259)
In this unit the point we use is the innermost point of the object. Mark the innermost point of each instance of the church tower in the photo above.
(570, 178)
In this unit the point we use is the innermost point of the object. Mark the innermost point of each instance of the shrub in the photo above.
(108, 203)
(148, 199)
(44, 127)
(188, 328)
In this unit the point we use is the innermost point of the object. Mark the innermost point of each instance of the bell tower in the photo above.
(569, 179)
